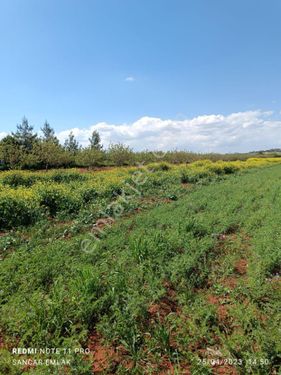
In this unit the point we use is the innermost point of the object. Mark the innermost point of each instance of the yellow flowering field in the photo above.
(26, 196)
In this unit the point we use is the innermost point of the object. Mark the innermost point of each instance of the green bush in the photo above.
(66, 177)
(88, 194)
(58, 198)
(189, 177)
(155, 167)
(18, 208)
(228, 169)
(194, 175)
(220, 168)
(19, 179)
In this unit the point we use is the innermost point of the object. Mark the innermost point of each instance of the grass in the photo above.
(191, 284)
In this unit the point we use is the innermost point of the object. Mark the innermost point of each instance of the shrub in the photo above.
(202, 163)
(159, 166)
(66, 177)
(114, 190)
(224, 168)
(16, 179)
(188, 177)
(230, 168)
(217, 169)
(18, 207)
(88, 194)
(194, 175)
(58, 198)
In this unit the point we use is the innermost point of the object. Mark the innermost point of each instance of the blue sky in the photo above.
(67, 61)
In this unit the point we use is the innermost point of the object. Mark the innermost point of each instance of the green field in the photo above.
(186, 280)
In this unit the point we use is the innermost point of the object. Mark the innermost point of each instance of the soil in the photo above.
(103, 357)
(241, 266)
(166, 305)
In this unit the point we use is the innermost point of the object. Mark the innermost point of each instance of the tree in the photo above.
(95, 141)
(71, 143)
(49, 133)
(10, 152)
(51, 155)
(24, 135)
(90, 157)
(120, 154)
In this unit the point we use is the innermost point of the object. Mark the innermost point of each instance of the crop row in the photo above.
(26, 196)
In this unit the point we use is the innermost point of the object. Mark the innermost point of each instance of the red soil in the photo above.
(166, 305)
(241, 266)
(104, 356)
(225, 370)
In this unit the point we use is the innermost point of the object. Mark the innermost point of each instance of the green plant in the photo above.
(57, 198)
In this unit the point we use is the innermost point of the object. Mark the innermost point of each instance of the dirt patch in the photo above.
(213, 300)
(104, 357)
(222, 313)
(230, 282)
(83, 170)
(102, 223)
(225, 370)
(158, 311)
(241, 266)
(221, 307)
(240, 270)
(166, 305)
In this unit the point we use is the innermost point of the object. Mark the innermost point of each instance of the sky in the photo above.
(199, 75)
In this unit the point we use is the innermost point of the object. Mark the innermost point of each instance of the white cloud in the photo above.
(3, 134)
(242, 131)
(130, 79)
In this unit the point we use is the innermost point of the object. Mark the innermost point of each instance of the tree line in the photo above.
(25, 149)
